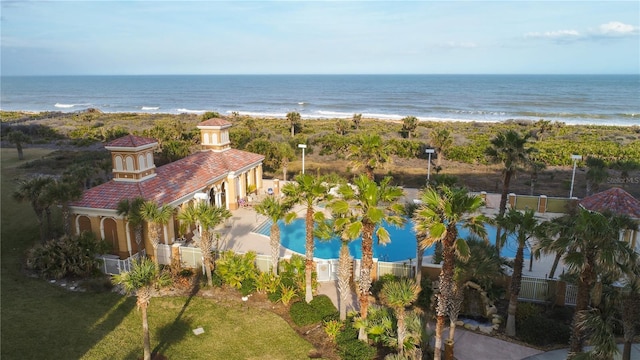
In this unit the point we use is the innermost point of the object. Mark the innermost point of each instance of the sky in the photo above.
(319, 37)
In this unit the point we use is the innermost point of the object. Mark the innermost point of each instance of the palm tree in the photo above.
(596, 174)
(370, 152)
(156, 217)
(398, 295)
(308, 191)
(341, 126)
(294, 121)
(508, 148)
(441, 211)
(409, 125)
(129, 209)
(275, 209)
(142, 279)
(34, 191)
(441, 140)
(630, 308)
(591, 245)
(366, 206)
(524, 226)
(326, 229)
(208, 217)
(61, 192)
(357, 118)
(18, 138)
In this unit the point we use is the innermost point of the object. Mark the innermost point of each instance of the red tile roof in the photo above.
(615, 200)
(130, 141)
(173, 181)
(215, 122)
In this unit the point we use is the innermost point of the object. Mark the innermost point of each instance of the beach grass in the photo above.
(41, 320)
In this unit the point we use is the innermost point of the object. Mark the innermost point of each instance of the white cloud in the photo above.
(459, 45)
(609, 30)
(554, 35)
(616, 28)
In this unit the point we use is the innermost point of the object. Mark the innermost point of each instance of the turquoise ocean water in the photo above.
(573, 99)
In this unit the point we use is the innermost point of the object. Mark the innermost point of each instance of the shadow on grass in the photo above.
(179, 328)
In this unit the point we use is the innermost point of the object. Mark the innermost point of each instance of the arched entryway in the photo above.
(212, 196)
(223, 195)
(110, 234)
(83, 223)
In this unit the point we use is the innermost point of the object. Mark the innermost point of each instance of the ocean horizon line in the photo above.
(333, 74)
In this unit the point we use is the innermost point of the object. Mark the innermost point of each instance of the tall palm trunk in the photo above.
(419, 256)
(153, 235)
(308, 293)
(556, 261)
(516, 283)
(144, 296)
(366, 266)
(446, 288)
(630, 315)
(205, 241)
(66, 220)
(503, 205)
(585, 283)
(344, 275)
(275, 247)
(401, 329)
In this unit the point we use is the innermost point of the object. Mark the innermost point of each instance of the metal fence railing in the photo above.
(112, 265)
(571, 295)
(534, 289)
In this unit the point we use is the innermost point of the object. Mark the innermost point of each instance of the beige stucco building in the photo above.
(217, 174)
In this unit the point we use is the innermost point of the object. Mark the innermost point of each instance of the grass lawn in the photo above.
(40, 320)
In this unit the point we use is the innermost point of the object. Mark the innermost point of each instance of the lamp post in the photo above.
(429, 151)
(302, 146)
(575, 159)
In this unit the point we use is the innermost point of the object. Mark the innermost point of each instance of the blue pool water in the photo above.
(401, 248)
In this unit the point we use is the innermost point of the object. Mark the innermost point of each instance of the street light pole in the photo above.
(575, 159)
(429, 151)
(302, 146)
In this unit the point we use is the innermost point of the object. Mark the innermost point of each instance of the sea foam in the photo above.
(189, 111)
(64, 106)
(147, 108)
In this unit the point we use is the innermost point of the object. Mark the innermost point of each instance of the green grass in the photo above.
(40, 320)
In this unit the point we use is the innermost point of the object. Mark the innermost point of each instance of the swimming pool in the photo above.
(401, 248)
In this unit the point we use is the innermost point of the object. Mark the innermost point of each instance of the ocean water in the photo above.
(572, 99)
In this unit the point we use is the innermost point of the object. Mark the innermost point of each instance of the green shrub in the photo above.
(561, 313)
(236, 269)
(286, 294)
(332, 328)
(68, 256)
(377, 285)
(526, 310)
(248, 286)
(303, 314)
(267, 283)
(349, 347)
(292, 274)
(541, 331)
(321, 308)
(426, 291)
